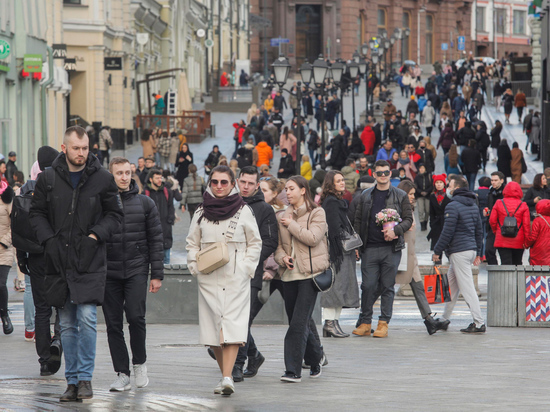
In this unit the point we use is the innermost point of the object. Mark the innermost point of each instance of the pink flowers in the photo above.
(386, 216)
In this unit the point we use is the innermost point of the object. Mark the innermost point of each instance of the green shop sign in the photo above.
(4, 49)
(32, 63)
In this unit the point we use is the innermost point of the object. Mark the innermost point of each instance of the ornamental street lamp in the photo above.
(392, 42)
(338, 69)
(406, 34)
(320, 70)
(353, 72)
(366, 65)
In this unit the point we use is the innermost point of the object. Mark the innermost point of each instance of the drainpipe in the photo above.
(43, 95)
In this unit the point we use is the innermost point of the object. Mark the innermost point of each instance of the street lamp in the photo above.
(406, 34)
(387, 45)
(392, 42)
(281, 70)
(338, 69)
(353, 72)
(320, 69)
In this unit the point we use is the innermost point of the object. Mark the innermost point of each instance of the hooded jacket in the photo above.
(166, 211)
(539, 238)
(512, 198)
(137, 243)
(317, 181)
(368, 138)
(63, 219)
(462, 229)
(265, 154)
(351, 177)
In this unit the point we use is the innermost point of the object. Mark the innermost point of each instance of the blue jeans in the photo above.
(28, 305)
(167, 255)
(471, 178)
(78, 337)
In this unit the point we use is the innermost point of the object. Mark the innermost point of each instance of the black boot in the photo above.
(85, 390)
(431, 324)
(237, 373)
(6, 322)
(254, 364)
(70, 395)
(423, 226)
(56, 350)
(442, 324)
(337, 325)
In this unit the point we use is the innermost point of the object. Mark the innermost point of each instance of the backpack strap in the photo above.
(49, 173)
(166, 193)
(545, 221)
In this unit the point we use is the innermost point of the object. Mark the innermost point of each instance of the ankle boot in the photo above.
(381, 330)
(329, 329)
(338, 327)
(423, 226)
(6, 322)
(431, 324)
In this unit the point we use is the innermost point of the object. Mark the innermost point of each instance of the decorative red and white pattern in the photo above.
(536, 299)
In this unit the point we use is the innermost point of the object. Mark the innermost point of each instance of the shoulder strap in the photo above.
(49, 173)
(505, 208)
(517, 208)
(233, 225)
(166, 193)
(147, 192)
(309, 247)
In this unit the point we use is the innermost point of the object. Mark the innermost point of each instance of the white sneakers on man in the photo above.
(140, 374)
(121, 383)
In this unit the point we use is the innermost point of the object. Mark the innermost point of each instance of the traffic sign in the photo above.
(209, 43)
(278, 41)
(461, 42)
(444, 46)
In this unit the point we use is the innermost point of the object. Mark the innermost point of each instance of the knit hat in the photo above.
(442, 177)
(46, 156)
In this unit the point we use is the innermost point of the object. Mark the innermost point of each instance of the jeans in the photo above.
(105, 158)
(385, 129)
(423, 204)
(126, 296)
(490, 251)
(378, 269)
(510, 256)
(28, 305)
(300, 341)
(164, 162)
(4, 270)
(167, 255)
(78, 337)
(471, 178)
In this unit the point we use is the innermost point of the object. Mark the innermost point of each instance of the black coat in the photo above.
(339, 153)
(495, 137)
(427, 159)
(11, 168)
(423, 183)
(464, 135)
(504, 158)
(138, 242)
(377, 135)
(166, 211)
(183, 167)
(211, 161)
(288, 165)
(530, 196)
(63, 218)
(437, 218)
(471, 160)
(269, 232)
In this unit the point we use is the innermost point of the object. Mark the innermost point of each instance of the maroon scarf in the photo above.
(439, 195)
(215, 209)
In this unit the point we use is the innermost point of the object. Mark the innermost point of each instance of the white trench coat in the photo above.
(224, 295)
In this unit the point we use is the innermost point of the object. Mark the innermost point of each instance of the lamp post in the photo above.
(364, 65)
(420, 10)
(392, 42)
(337, 69)
(320, 69)
(380, 56)
(407, 33)
(387, 45)
(398, 35)
(353, 68)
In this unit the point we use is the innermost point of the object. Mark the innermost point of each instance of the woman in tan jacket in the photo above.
(6, 252)
(149, 144)
(302, 254)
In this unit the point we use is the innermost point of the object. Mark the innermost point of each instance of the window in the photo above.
(381, 18)
(429, 39)
(406, 41)
(72, 1)
(480, 19)
(519, 21)
(500, 20)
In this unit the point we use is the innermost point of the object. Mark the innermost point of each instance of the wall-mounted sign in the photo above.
(4, 49)
(59, 51)
(209, 43)
(113, 63)
(70, 65)
(32, 63)
(201, 33)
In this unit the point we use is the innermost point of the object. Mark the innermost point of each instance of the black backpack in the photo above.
(22, 233)
(509, 227)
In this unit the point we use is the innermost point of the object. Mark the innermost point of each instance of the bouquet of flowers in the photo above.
(388, 218)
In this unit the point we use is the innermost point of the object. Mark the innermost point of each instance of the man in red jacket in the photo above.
(511, 249)
(368, 137)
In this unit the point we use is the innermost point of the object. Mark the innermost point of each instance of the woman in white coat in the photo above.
(224, 294)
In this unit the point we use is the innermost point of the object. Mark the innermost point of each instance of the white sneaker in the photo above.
(218, 388)
(228, 387)
(121, 383)
(140, 374)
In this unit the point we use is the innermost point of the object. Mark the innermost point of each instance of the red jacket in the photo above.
(539, 239)
(512, 198)
(239, 131)
(368, 137)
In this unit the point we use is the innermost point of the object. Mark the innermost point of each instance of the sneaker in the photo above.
(29, 335)
(472, 328)
(140, 374)
(19, 285)
(121, 383)
(290, 377)
(228, 387)
(324, 362)
(315, 371)
(218, 388)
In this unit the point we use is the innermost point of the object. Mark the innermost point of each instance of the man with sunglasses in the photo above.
(381, 250)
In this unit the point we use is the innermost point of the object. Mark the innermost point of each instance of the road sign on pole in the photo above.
(461, 42)
(444, 46)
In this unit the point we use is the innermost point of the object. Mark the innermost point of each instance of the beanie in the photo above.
(46, 156)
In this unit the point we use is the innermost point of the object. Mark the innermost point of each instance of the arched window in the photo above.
(429, 39)
(406, 41)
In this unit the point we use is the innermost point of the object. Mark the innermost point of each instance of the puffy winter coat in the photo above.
(137, 243)
(265, 154)
(192, 190)
(166, 211)
(462, 229)
(351, 177)
(63, 218)
(512, 198)
(539, 238)
(447, 138)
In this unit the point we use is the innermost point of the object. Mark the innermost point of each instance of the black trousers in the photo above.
(126, 296)
(4, 271)
(510, 256)
(490, 251)
(300, 341)
(43, 311)
(105, 157)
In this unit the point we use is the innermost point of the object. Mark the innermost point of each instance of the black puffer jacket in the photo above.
(269, 232)
(138, 242)
(63, 218)
(165, 206)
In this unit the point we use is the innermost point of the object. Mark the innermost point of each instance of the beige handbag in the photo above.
(217, 255)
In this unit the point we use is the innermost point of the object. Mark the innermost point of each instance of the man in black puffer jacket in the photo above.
(131, 251)
(461, 239)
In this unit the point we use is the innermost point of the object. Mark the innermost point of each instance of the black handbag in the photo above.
(324, 280)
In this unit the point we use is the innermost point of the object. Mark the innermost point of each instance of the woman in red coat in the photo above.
(539, 239)
(511, 249)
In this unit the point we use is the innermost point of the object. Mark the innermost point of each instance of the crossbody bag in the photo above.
(324, 280)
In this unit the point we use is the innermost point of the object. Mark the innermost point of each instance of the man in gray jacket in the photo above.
(381, 250)
(461, 239)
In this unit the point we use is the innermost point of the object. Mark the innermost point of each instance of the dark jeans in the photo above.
(128, 296)
(250, 349)
(471, 177)
(510, 256)
(43, 311)
(420, 298)
(378, 268)
(105, 157)
(520, 113)
(490, 251)
(4, 270)
(300, 341)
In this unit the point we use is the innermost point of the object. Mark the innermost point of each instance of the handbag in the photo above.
(437, 287)
(352, 240)
(217, 254)
(324, 280)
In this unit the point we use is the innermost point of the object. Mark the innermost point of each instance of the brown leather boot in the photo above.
(381, 330)
(364, 329)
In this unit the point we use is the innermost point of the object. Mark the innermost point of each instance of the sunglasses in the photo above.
(383, 173)
(215, 182)
(265, 179)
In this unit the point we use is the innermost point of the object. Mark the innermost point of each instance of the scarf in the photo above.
(404, 161)
(439, 195)
(215, 209)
